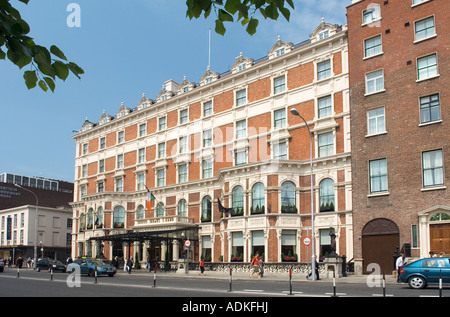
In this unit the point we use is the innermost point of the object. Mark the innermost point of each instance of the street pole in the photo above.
(313, 255)
(35, 223)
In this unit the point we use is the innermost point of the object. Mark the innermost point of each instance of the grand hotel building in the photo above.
(230, 137)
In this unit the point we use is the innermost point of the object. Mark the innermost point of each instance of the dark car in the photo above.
(89, 266)
(49, 264)
(427, 271)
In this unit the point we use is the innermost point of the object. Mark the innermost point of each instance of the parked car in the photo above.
(2, 265)
(427, 271)
(48, 264)
(88, 266)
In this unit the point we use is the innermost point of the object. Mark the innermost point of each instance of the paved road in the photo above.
(38, 284)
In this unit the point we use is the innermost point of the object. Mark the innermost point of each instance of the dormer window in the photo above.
(324, 35)
(280, 51)
(242, 67)
(208, 80)
(242, 63)
(280, 48)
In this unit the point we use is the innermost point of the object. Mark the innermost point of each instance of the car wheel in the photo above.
(417, 282)
(38, 269)
(91, 272)
(111, 274)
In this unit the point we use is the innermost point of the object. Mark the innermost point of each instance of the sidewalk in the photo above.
(296, 277)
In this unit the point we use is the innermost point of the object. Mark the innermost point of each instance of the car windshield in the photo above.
(97, 262)
(55, 262)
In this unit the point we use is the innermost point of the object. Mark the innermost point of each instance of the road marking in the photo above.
(254, 290)
(337, 294)
(381, 295)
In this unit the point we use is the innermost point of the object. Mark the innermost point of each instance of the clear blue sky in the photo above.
(126, 48)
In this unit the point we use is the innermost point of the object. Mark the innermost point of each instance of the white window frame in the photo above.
(374, 49)
(376, 82)
(207, 108)
(429, 75)
(279, 84)
(374, 119)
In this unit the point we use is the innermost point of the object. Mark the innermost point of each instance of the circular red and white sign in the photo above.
(307, 241)
(187, 243)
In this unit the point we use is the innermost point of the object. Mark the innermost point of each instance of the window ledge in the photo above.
(372, 56)
(374, 93)
(424, 39)
(428, 78)
(378, 194)
(427, 189)
(430, 123)
(376, 134)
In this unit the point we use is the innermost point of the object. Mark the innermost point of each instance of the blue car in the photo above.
(88, 266)
(427, 271)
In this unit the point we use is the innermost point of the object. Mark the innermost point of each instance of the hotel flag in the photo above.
(150, 197)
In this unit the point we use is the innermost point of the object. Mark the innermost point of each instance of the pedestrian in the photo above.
(442, 254)
(130, 264)
(254, 266)
(28, 262)
(316, 269)
(115, 262)
(202, 267)
(261, 266)
(398, 265)
(19, 262)
(156, 263)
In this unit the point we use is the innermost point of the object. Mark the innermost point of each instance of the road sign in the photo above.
(187, 243)
(307, 241)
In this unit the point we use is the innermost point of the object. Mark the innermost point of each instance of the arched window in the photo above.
(82, 222)
(90, 219)
(99, 219)
(140, 212)
(238, 201)
(440, 217)
(206, 209)
(119, 217)
(160, 210)
(288, 203)
(326, 195)
(182, 208)
(258, 200)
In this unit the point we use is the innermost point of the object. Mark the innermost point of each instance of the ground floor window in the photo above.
(288, 245)
(237, 246)
(206, 248)
(258, 243)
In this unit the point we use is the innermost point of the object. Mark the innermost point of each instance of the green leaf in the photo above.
(30, 78)
(43, 85)
(75, 69)
(61, 69)
(252, 25)
(220, 28)
(50, 83)
(57, 52)
(2, 54)
(286, 13)
(225, 16)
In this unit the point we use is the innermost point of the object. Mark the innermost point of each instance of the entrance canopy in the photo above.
(178, 234)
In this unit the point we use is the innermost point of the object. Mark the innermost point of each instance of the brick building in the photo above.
(229, 138)
(399, 78)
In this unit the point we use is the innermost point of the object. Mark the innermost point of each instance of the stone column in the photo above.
(175, 250)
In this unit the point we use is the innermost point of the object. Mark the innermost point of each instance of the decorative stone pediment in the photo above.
(105, 118)
(280, 48)
(323, 31)
(241, 63)
(208, 77)
(87, 125)
(123, 111)
(144, 102)
(186, 86)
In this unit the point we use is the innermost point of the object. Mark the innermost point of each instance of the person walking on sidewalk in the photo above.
(202, 267)
(130, 264)
(254, 266)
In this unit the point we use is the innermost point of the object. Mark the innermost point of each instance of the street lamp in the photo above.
(313, 255)
(35, 223)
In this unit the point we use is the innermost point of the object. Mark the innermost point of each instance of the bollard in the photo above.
(154, 277)
(384, 285)
(290, 281)
(231, 273)
(95, 275)
(18, 272)
(334, 284)
(51, 273)
(440, 283)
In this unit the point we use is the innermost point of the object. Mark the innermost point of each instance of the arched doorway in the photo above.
(380, 238)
